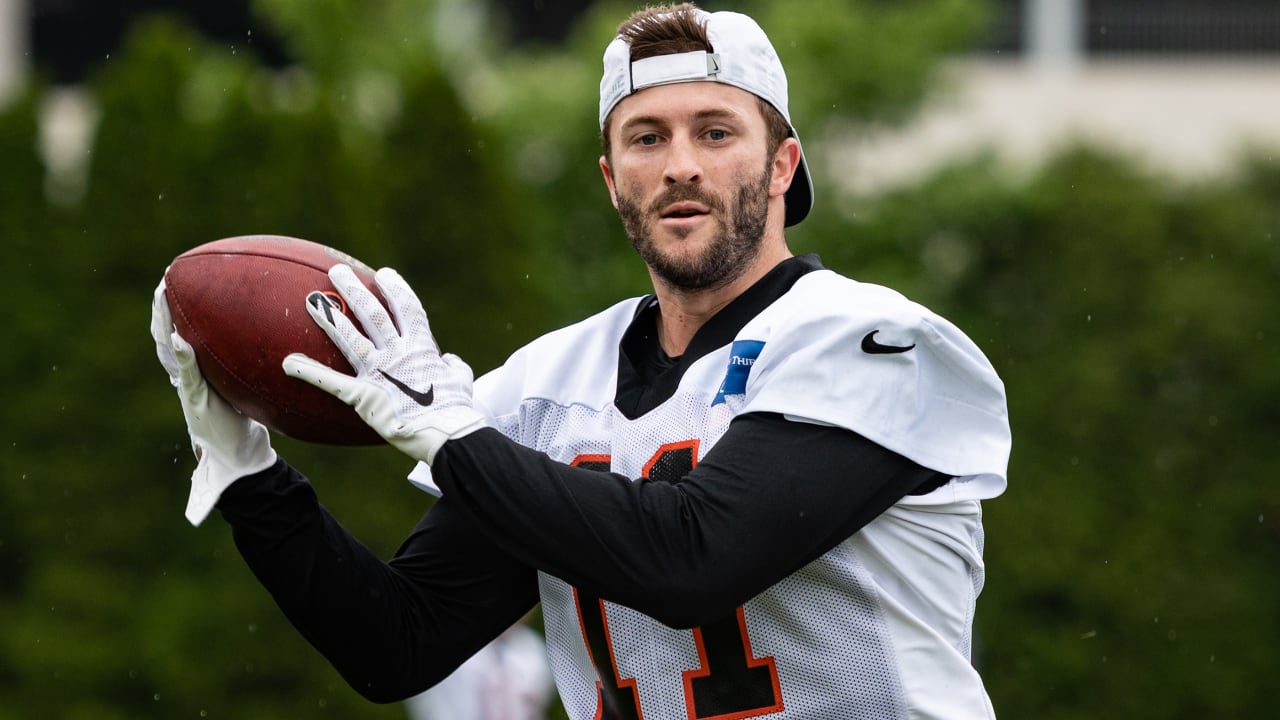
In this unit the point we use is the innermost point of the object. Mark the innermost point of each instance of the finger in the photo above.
(364, 305)
(185, 356)
(181, 348)
(161, 328)
(340, 385)
(459, 367)
(161, 318)
(353, 344)
(193, 390)
(404, 303)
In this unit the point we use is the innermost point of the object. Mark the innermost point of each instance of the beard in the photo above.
(730, 252)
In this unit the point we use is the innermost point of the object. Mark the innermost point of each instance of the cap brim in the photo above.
(799, 197)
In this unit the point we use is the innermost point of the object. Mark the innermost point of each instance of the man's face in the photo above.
(691, 178)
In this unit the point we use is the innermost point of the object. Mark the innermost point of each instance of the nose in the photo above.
(683, 163)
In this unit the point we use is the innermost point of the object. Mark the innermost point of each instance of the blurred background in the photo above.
(1090, 188)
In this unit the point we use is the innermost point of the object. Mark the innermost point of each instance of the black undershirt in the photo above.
(770, 496)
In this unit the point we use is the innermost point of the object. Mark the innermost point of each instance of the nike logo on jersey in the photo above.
(871, 347)
(422, 398)
(742, 355)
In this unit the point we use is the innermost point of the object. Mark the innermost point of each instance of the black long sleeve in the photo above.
(746, 516)
(390, 629)
(769, 497)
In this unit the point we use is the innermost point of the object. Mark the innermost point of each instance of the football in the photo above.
(241, 303)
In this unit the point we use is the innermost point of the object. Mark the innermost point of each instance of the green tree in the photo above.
(110, 594)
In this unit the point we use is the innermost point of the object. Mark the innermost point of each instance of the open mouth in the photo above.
(681, 211)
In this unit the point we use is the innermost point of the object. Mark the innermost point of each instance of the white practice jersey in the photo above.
(877, 628)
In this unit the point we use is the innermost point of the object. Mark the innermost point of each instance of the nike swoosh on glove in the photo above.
(227, 444)
(404, 388)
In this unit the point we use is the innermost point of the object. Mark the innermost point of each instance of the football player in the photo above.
(754, 493)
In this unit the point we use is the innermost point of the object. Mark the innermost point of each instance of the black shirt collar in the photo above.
(647, 376)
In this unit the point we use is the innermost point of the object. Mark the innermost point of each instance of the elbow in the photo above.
(382, 693)
(691, 601)
(391, 684)
(382, 696)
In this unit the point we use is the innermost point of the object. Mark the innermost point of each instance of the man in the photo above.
(754, 493)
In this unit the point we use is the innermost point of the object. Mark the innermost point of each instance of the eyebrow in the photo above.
(700, 116)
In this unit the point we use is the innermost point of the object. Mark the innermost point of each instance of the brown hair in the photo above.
(672, 29)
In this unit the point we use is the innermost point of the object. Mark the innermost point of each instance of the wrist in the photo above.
(216, 471)
(439, 427)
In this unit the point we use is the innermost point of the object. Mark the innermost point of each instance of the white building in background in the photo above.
(13, 47)
(1203, 85)
(1187, 111)
(1190, 118)
(67, 115)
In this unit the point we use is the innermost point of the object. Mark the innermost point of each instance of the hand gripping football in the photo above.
(241, 303)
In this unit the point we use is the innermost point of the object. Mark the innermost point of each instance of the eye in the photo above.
(647, 139)
(717, 135)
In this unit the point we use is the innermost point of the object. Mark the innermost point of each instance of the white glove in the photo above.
(227, 445)
(408, 392)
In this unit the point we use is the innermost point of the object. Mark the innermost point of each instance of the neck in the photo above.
(682, 312)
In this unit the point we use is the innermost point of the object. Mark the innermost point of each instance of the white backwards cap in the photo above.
(742, 57)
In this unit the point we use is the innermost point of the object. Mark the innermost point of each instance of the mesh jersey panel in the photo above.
(877, 628)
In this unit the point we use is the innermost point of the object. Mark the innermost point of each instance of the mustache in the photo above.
(684, 192)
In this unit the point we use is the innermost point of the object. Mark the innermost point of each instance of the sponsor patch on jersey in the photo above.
(742, 355)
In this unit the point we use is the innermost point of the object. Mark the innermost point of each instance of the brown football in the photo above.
(242, 304)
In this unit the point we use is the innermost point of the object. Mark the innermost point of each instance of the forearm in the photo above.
(390, 628)
(770, 497)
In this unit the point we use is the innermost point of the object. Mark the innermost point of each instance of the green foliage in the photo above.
(864, 62)
(106, 590)
(1131, 563)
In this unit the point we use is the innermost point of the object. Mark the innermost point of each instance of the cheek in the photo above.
(628, 175)
(628, 184)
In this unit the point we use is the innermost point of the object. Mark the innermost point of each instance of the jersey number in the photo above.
(729, 684)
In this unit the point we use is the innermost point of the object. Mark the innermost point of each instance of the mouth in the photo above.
(684, 211)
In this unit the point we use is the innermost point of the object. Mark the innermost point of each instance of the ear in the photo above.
(785, 163)
(608, 180)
